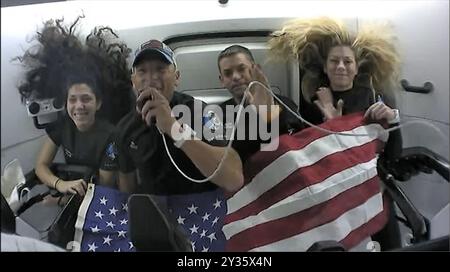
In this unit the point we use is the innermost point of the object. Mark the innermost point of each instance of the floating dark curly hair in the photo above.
(61, 59)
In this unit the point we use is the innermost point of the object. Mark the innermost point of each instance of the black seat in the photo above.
(53, 222)
(8, 218)
(411, 162)
(151, 229)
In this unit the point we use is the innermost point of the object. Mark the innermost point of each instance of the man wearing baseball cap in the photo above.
(141, 147)
(156, 49)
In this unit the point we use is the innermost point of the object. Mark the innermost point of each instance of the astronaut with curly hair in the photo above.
(93, 82)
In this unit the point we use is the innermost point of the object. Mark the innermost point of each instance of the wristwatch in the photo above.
(184, 133)
(396, 119)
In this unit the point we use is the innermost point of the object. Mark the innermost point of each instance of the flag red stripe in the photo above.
(300, 222)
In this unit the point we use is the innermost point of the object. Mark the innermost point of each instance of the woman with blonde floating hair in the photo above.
(341, 70)
(344, 73)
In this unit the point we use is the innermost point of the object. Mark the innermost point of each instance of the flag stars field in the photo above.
(103, 216)
(200, 215)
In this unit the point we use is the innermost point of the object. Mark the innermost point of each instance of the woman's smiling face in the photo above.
(82, 106)
(341, 68)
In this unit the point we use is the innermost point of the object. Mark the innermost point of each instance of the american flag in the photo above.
(102, 223)
(314, 187)
(201, 217)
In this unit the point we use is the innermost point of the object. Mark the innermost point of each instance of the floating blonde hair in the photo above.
(376, 53)
(298, 37)
(309, 41)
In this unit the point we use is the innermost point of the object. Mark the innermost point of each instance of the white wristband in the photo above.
(184, 133)
(396, 119)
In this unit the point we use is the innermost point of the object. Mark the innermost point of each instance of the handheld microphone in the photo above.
(140, 104)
